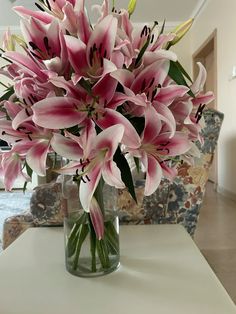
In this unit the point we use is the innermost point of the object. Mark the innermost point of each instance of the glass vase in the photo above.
(85, 254)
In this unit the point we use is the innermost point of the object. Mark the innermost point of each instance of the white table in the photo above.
(162, 271)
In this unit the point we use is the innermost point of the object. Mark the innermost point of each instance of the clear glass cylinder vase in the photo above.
(85, 254)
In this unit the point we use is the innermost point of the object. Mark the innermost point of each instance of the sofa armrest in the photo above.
(14, 226)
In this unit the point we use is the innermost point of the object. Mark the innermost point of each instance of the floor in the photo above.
(216, 237)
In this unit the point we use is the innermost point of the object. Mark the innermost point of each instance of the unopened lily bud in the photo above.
(17, 39)
(8, 43)
(131, 6)
(180, 31)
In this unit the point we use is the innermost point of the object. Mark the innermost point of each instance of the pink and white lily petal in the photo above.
(37, 155)
(162, 40)
(169, 173)
(12, 169)
(8, 134)
(112, 117)
(111, 175)
(66, 147)
(103, 38)
(21, 117)
(102, 10)
(150, 57)
(123, 76)
(77, 54)
(153, 175)
(167, 95)
(167, 117)
(57, 113)
(177, 145)
(26, 13)
(108, 140)
(152, 125)
(198, 84)
(86, 138)
(27, 63)
(88, 186)
(12, 108)
(203, 98)
(105, 94)
(151, 76)
(97, 218)
(70, 20)
(73, 91)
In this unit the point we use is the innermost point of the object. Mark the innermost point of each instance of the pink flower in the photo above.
(156, 148)
(96, 162)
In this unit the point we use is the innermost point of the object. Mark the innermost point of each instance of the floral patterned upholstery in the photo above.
(178, 201)
(173, 202)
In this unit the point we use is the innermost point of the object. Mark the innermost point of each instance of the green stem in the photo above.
(111, 237)
(84, 230)
(92, 246)
(74, 235)
(103, 253)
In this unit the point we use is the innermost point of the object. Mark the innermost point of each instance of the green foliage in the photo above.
(126, 175)
(177, 73)
(8, 92)
(29, 173)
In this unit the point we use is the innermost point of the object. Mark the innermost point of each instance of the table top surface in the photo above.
(161, 271)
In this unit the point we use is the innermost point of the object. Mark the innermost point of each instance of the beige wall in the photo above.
(183, 51)
(220, 15)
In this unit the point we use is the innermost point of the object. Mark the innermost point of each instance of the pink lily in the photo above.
(188, 110)
(65, 112)
(46, 43)
(94, 57)
(11, 169)
(31, 142)
(96, 163)
(156, 149)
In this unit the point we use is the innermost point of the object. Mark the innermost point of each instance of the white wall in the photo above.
(220, 15)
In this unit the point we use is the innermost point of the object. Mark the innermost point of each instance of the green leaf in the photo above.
(126, 175)
(183, 71)
(86, 86)
(92, 245)
(137, 164)
(8, 93)
(131, 6)
(141, 52)
(98, 194)
(177, 76)
(138, 123)
(29, 172)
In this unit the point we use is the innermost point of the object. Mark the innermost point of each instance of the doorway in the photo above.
(206, 54)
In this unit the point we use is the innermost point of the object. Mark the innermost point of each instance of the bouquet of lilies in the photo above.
(93, 94)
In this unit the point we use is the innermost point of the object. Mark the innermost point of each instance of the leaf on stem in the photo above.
(176, 74)
(7, 95)
(126, 175)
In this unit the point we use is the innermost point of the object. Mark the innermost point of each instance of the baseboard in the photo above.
(226, 193)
